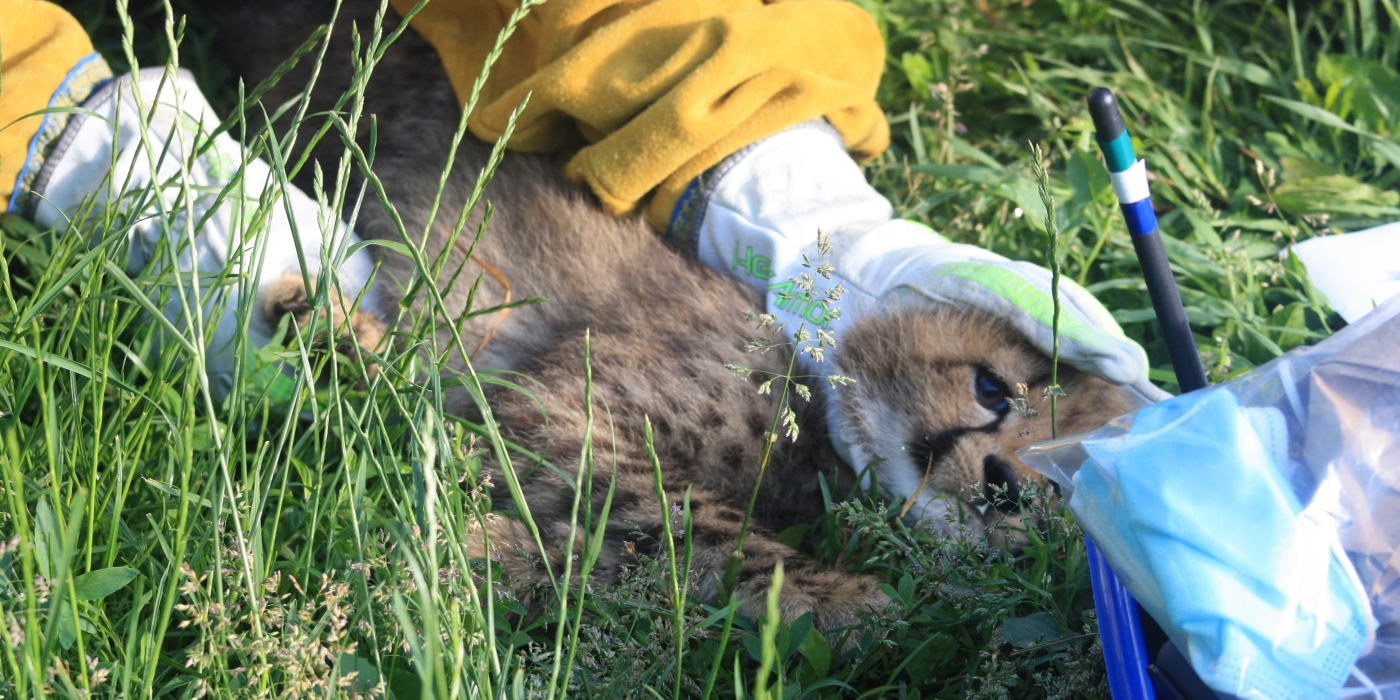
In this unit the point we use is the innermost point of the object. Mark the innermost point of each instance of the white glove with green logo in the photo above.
(100, 158)
(756, 215)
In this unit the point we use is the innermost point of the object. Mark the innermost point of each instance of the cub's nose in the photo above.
(997, 475)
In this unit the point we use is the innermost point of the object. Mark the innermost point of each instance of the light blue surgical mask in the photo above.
(1194, 508)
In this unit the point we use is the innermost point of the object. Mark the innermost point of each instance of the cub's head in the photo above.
(934, 409)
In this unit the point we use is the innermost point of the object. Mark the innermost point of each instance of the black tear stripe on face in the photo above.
(932, 448)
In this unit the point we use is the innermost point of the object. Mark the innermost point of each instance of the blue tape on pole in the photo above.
(1140, 217)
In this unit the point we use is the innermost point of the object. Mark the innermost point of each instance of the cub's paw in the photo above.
(288, 296)
(835, 598)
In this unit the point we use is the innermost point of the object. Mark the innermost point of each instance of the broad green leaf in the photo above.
(1312, 187)
(1252, 224)
(1332, 194)
(796, 634)
(1261, 248)
(1307, 91)
(67, 630)
(979, 174)
(1028, 631)
(203, 435)
(919, 73)
(1292, 317)
(47, 540)
(1295, 169)
(1375, 87)
(754, 646)
(366, 674)
(405, 686)
(818, 652)
(1201, 229)
(1316, 114)
(1258, 346)
(95, 585)
(1386, 149)
(792, 536)
(1245, 70)
(906, 588)
(1088, 181)
(1024, 195)
(1133, 315)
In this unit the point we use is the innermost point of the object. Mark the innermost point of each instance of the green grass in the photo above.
(157, 545)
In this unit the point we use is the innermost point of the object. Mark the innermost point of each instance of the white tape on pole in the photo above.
(1131, 184)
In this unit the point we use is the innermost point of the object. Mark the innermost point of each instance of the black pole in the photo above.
(1171, 313)
(1147, 241)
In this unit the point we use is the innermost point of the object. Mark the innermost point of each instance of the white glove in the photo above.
(757, 214)
(80, 168)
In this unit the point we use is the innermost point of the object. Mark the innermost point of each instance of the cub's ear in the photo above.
(1091, 402)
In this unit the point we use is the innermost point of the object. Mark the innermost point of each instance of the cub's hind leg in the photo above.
(832, 595)
(635, 527)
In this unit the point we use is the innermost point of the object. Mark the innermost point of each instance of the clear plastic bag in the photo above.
(1259, 520)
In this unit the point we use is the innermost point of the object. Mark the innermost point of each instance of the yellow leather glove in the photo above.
(48, 61)
(645, 96)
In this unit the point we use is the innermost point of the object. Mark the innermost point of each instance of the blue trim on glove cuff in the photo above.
(85, 78)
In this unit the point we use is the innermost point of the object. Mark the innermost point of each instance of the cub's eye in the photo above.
(991, 392)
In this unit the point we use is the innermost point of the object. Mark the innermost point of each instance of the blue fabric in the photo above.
(1194, 510)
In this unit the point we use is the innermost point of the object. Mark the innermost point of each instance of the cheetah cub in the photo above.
(931, 410)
